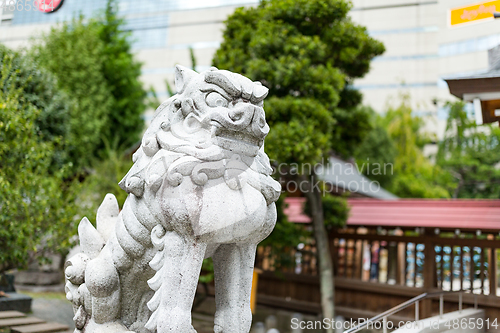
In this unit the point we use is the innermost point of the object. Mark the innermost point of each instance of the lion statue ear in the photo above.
(182, 76)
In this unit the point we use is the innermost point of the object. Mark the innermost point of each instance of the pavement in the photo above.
(53, 306)
(56, 310)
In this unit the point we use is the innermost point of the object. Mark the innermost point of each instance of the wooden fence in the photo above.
(375, 271)
(455, 263)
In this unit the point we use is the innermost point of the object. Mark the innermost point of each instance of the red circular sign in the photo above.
(49, 6)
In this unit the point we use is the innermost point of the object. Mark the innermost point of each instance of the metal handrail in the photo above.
(415, 300)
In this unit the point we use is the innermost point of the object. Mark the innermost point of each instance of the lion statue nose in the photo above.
(251, 117)
(243, 117)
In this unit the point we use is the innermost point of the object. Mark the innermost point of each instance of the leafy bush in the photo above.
(414, 174)
(103, 79)
(39, 89)
(36, 205)
(471, 153)
(78, 69)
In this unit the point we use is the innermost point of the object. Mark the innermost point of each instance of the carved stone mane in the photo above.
(200, 187)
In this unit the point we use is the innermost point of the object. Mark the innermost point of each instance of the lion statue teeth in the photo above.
(200, 187)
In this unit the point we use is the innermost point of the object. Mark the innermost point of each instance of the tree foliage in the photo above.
(465, 165)
(104, 178)
(121, 72)
(39, 89)
(76, 93)
(471, 153)
(307, 53)
(336, 211)
(93, 63)
(414, 174)
(36, 204)
(376, 149)
(66, 54)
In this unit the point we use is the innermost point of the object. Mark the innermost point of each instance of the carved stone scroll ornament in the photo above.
(200, 187)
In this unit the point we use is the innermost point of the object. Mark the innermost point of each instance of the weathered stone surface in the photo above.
(200, 187)
(39, 278)
(7, 283)
(15, 302)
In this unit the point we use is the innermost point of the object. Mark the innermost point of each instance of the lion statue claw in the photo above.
(200, 187)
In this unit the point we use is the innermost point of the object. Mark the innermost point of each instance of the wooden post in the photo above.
(346, 250)
(359, 259)
(492, 271)
(253, 294)
(406, 264)
(415, 267)
(472, 274)
(336, 264)
(428, 271)
(452, 266)
(400, 264)
(441, 268)
(462, 268)
(333, 248)
(481, 276)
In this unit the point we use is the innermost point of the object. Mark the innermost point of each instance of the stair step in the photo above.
(11, 314)
(39, 328)
(20, 321)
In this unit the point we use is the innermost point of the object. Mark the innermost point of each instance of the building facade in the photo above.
(422, 45)
(422, 48)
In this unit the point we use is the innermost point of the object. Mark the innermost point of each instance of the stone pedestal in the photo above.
(15, 302)
(7, 283)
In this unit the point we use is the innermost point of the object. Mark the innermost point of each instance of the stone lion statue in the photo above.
(200, 187)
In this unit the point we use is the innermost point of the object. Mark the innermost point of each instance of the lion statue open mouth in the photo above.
(200, 187)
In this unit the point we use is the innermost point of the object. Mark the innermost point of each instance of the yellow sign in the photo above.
(476, 12)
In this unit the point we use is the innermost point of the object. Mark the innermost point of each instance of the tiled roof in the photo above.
(435, 213)
(411, 213)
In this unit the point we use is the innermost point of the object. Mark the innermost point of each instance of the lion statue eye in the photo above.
(214, 99)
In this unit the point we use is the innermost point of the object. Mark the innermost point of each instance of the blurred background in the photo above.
(384, 135)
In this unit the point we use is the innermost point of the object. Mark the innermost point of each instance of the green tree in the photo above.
(103, 79)
(471, 154)
(121, 72)
(39, 89)
(414, 174)
(336, 211)
(307, 52)
(376, 149)
(36, 204)
(104, 178)
(65, 53)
